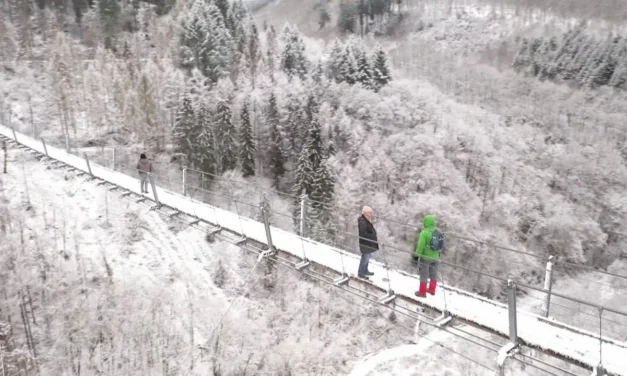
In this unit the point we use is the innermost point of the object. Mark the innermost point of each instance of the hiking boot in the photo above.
(422, 291)
(362, 276)
(432, 285)
(369, 273)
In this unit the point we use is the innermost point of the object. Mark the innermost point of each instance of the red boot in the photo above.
(422, 292)
(432, 284)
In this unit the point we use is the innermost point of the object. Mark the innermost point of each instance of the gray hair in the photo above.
(366, 209)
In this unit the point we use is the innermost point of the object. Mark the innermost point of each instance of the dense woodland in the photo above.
(577, 57)
(409, 126)
(218, 42)
(224, 93)
(219, 91)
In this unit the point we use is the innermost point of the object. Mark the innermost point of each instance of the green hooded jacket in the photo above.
(423, 249)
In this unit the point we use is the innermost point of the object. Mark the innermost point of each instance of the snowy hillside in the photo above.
(448, 345)
(153, 291)
(116, 287)
(497, 117)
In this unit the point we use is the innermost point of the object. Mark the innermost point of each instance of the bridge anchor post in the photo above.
(443, 319)
(302, 265)
(184, 181)
(511, 308)
(154, 190)
(88, 166)
(512, 346)
(598, 371)
(45, 147)
(341, 281)
(266, 223)
(548, 284)
(303, 215)
(388, 297)
(504, 353)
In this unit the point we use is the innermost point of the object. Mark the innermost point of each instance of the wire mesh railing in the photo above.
(473, 340)
(245, 199)
(205, 179)
(459, 268)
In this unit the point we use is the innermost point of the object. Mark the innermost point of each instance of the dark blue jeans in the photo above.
(363, 263)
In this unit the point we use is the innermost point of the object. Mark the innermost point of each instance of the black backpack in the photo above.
(437, 241)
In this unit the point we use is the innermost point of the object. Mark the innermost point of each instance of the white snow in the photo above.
(370, 363)
(162, 278)
(534, 330)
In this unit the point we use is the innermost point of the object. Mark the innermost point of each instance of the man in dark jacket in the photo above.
(144, 166)
(367, 241)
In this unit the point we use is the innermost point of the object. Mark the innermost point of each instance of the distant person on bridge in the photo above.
(430, 243)
(144, 166)
(368, 243)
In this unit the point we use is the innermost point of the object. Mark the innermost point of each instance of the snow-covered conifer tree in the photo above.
(348, 66)
(206, 145)
(331, 149)
(254, 51)
(311, 109)
(295, 127)
(185, 130)
(315, 151)
(224, 6)
(110, 18)
(225, 136)
(314, 179)
(303, 183)
(293, 60)
(205, 40)
(275, 148)
(619, 78)
(335, 62)
(271, 53)
(381, 71)
(247, 142)
(364, 70)
(317, 73)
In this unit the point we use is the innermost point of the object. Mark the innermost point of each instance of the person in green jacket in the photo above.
(428, 258)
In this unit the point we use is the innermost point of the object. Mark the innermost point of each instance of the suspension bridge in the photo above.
(519, 331)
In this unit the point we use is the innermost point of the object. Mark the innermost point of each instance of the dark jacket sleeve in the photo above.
(367, 236)
(363, 229)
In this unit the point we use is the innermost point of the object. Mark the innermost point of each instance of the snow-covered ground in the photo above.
(569, 342)
(421, 358)
(429, 354)
(127, 291)
(27, 97)
(121, 290)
